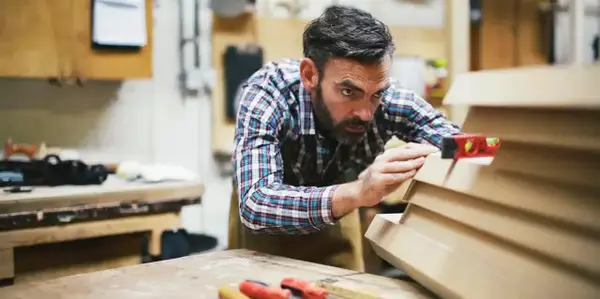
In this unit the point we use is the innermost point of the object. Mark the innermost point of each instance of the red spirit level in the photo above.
(469, 146)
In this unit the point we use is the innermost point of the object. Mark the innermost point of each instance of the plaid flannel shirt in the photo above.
(286, 172)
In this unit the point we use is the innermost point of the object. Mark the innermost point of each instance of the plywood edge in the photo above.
(404, 247)
(548, 238)
(464, 262)
(566, 128)
(533, 87)
(566, 204)
(568, 167)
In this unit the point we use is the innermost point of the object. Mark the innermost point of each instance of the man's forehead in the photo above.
(369, 86)
(340, 70)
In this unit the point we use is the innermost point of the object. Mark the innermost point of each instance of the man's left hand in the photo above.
(426, 149)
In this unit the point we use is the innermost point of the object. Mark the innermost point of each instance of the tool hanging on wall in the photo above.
(596, 47)
(191, 77)
(240, 62)
(547, 19)
(293, 7)
(596, 41)
(230, 8)
(548, 11)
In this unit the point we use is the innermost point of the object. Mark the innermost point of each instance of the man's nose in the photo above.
(365, 114)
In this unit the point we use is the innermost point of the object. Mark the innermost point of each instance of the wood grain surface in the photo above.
(200, 276)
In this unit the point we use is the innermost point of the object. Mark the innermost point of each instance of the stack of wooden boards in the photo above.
(524, 224)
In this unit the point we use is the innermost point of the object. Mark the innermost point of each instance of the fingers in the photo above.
(362, 174)
(401, 166)
(422, 146)
(396, 178)
(406, 153)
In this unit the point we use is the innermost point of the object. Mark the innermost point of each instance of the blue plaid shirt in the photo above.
(286, 172)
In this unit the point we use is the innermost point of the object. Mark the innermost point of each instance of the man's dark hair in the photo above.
(346, 32)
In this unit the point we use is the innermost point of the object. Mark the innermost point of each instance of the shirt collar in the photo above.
(307, 118)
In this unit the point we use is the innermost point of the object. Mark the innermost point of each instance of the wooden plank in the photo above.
(282, 38)
(113, 190)
(83, 230)
(200, 277)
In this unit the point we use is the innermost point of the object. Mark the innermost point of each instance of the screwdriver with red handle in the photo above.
(259, 290)
(304, 289)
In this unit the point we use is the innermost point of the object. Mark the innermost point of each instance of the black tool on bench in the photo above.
(50, 171)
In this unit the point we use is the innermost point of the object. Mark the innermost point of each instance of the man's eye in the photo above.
(347, 92)
(378, 95)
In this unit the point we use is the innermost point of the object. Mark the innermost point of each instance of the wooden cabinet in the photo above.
(52, 38)
(510, 35)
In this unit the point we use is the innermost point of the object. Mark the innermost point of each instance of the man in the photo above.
(309, 142)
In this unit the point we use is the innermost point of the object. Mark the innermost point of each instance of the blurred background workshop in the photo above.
(118, 119)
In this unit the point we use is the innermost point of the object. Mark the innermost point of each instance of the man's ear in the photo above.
(309, 75)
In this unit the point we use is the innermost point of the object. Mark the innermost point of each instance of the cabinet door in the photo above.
(509, 35)
(35, 38)
(52, 38)
(111, 64)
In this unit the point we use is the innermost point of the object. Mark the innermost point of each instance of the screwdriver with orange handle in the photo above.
(304, 289)
(227, 292)
(259, 290)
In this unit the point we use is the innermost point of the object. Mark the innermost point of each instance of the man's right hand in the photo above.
(389, 170)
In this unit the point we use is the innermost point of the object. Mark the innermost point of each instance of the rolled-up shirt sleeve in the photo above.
(266, 204)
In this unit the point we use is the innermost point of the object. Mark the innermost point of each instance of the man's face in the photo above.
(346, 95)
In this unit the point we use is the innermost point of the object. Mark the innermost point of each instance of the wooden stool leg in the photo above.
(373, 263)
(7, 266)
(154, 242)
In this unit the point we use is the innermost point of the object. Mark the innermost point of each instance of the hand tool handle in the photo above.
(257, 290)
(11, 148)
(304, 289)
(227, 292)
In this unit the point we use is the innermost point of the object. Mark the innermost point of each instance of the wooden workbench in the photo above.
(200, 276)
(95, 213)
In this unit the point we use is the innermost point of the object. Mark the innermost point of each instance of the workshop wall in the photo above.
(150, 120)
(591, 29)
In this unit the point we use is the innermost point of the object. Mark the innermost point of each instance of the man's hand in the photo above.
(390, 169)
(387, 172)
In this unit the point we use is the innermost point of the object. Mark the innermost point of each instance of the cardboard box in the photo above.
(525, 224)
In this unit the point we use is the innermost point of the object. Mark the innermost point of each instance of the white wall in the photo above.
(591, 28)
(148, 120)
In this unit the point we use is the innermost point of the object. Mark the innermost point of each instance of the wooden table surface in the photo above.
(200, 276)
(112, 190)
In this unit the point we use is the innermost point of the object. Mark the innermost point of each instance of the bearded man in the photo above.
(309, 142)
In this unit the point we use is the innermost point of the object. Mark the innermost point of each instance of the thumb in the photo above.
(362, 174)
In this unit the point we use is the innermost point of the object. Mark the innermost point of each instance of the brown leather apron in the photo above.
(339, 245)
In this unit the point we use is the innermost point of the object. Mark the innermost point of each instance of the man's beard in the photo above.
(326, 122)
